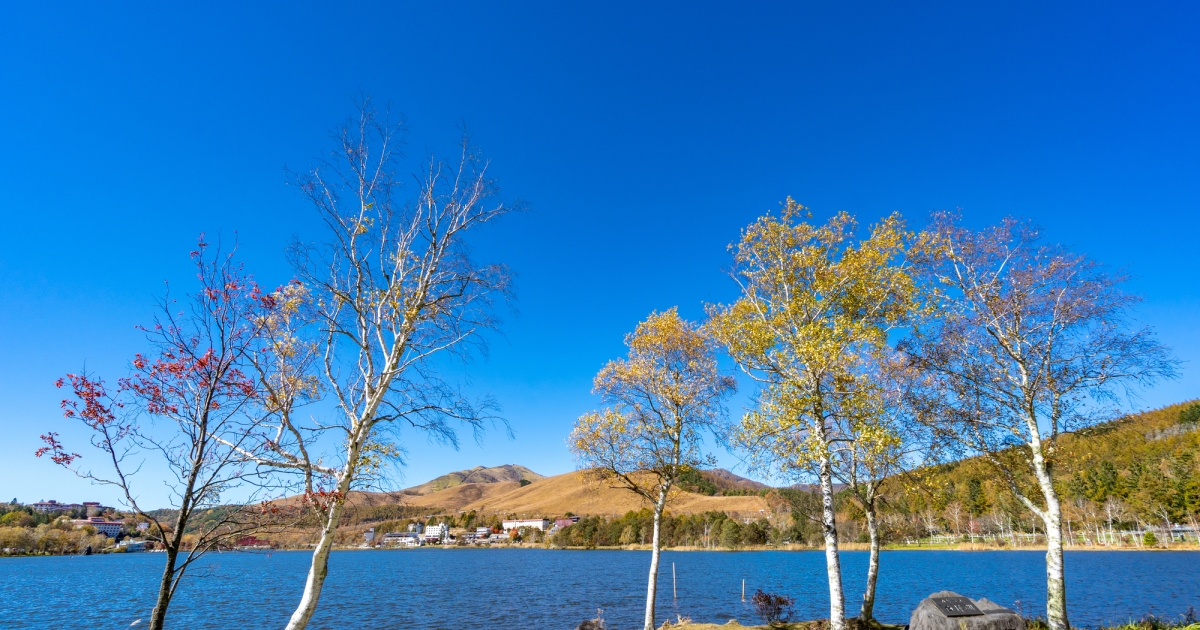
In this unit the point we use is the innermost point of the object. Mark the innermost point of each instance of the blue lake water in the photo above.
(553, 589)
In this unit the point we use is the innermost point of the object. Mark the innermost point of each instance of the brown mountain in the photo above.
(508, 473)
(725, 480)
(572, 492)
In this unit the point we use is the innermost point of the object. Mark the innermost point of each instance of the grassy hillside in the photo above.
(458, 498)
(571, 492)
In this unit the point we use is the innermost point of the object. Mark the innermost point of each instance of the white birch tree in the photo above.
(1029, 340)
(814, 302)
(879, 440)
(662, 397)
(390, 294)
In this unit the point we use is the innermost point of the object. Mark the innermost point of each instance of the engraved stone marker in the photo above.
(951, 611)
(956, 606)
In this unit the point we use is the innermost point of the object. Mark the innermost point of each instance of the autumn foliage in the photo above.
(192, 402)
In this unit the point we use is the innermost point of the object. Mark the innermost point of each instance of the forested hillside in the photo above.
(1134, 481)
(1139, 473)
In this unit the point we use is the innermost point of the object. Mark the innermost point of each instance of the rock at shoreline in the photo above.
(928, 616)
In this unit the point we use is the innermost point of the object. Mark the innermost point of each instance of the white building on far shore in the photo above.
(54, 506)
(404, 539)
(108, 528)
(437, 533)
(539, 524)
(93, 508)
(132, 545)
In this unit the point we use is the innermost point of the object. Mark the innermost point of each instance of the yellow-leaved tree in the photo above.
(874, 440)
(815, 303)
(662, 398)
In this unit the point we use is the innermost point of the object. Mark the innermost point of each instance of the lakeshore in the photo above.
(843, 546)
(823, 624)
(890, 547)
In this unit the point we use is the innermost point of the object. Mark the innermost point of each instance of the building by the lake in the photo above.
(102, 525)
(93, 508)
(404, 539)
(539, 524)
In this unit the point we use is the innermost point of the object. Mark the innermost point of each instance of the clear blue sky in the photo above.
(644, 136)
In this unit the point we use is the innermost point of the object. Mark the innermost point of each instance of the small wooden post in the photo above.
(743, 589)
(674, 589)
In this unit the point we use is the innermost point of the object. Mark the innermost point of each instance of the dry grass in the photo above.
(571, 492)
(550, 496)
(732, 624)
(459, 497)
(1146, 623)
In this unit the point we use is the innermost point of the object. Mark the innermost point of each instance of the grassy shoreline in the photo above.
(865, 547)
(1146, 623)
(965, 547)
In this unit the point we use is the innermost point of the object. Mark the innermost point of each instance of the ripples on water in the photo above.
(551, 589)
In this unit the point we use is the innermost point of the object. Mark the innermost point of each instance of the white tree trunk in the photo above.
(1056, 583)
(320, 559)
(655, 544)
(316, 576)
(868, 605)
(833, 566)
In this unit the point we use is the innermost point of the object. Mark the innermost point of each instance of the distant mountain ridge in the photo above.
(725, 480)
(478, 474)
(571, 492)
(516, 489)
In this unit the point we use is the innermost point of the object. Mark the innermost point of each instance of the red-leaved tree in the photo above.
(187, 400)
